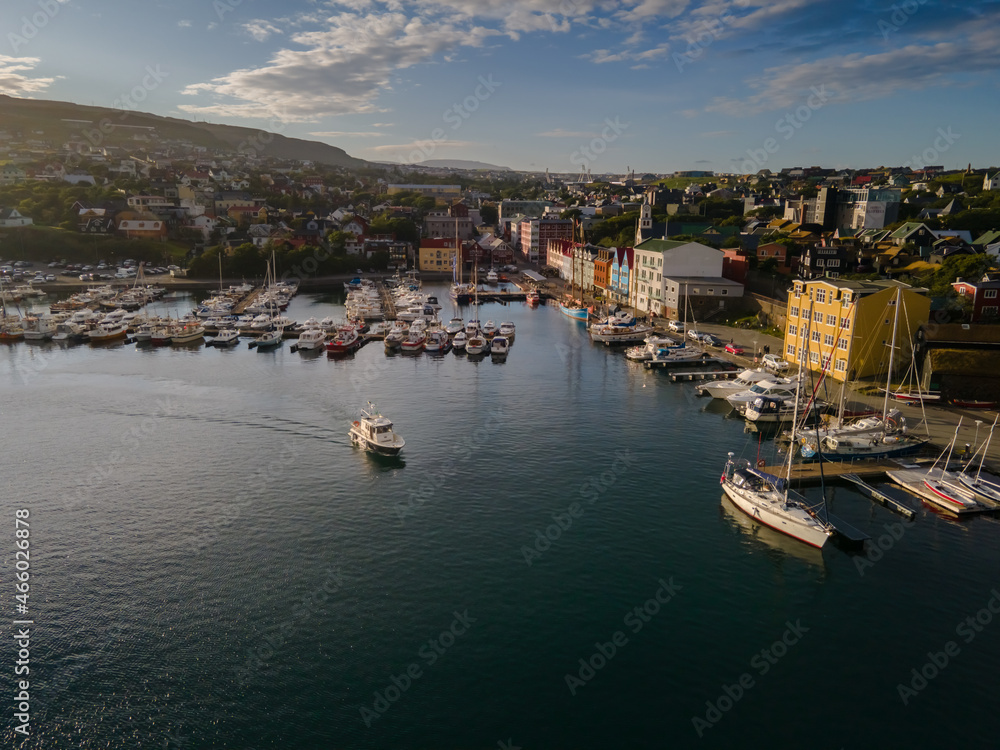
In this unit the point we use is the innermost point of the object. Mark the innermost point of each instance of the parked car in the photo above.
(776, 363)
(693, 334)
(50, 277)
(710, 340)
(676, 326)
(735, 349)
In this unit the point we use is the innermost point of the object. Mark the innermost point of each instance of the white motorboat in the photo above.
(507, 328)
(472, 327)
(499, 346)
(475, 344)
(492, 277)
(459, 341)
(619, 334)
(454, 326)
(374, 433)
(490, 329)
(782, 388)
(725, 388)
(311, 339)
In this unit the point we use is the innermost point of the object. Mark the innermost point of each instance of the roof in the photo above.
(988, 238)
(961, 333)
(906, 230)
(974, 362)
(719, 280)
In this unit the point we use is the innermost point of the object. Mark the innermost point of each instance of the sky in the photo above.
(565, 85)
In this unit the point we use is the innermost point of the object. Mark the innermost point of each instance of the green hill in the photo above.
(57, 122)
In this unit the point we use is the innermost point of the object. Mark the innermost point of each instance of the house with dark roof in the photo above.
(916, 232)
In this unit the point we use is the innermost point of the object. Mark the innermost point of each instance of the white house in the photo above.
(991, 183)
(10, 217)
(669, 274)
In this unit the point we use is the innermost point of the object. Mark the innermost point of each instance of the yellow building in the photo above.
(436, 254)
(846, 327)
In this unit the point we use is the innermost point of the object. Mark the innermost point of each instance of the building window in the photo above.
(818, 316)
(828, 339)
(833, 263)
(842, 344)
(988, 311)
(892, 302)
(990, 294)
(793, 312)
(725, 291)
(711, 291)
(815, 336)
(793, 330)
(831, 320)
(814, 357)
(841, 365)
(845, 323)
(790, 350)
(821, 294)
(819, 263)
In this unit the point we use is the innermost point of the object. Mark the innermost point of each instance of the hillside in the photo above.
(57, 122)
(462, 164)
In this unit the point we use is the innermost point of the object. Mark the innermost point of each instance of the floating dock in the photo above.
(707, 359)
(880, 497)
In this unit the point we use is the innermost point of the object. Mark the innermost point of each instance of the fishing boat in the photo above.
(187, 334)
(533, 297)
(107, 330)
(224, 338)
(414, 341)
(437, 341)
(492, 277)
(346, 340)
(38, 328)
(69, 333)
(375, 433)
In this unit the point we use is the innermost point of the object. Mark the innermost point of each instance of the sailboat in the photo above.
(10, 325)
(274, 336)
(985, 486)
(475, 343)
(945, 488)
(460, 292)
(766, 498)
(887, 438)
(572, 306)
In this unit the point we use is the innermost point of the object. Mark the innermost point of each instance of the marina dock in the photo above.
(704, 375)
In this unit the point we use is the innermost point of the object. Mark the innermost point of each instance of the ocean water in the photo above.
(214, 565)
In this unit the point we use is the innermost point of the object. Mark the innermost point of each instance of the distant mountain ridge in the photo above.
(62, 121)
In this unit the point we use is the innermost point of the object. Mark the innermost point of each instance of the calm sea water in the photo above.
(215, 566)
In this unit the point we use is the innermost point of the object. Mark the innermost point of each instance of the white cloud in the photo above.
(383, 124)
(338, 70)
(184, 23)
(601, 56)
(13, 82)
(861, 77)
(260, 30)
(346, 134)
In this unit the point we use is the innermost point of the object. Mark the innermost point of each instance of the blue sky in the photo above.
(655, 85)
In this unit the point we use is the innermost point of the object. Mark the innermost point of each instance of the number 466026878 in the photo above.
(22, 556)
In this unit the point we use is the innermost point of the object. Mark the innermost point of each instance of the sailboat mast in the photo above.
(803, 336)
(951, 446)
(892, 352)
(986, 447)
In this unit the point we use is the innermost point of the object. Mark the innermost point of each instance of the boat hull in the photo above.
(813, 536)
(576, 313)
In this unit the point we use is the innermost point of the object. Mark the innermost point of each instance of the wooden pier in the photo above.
(809, 473)
(388, 304)
(244, 303)
(706, 359)
(704, 375)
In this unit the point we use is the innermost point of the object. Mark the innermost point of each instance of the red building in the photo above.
(984, 294)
